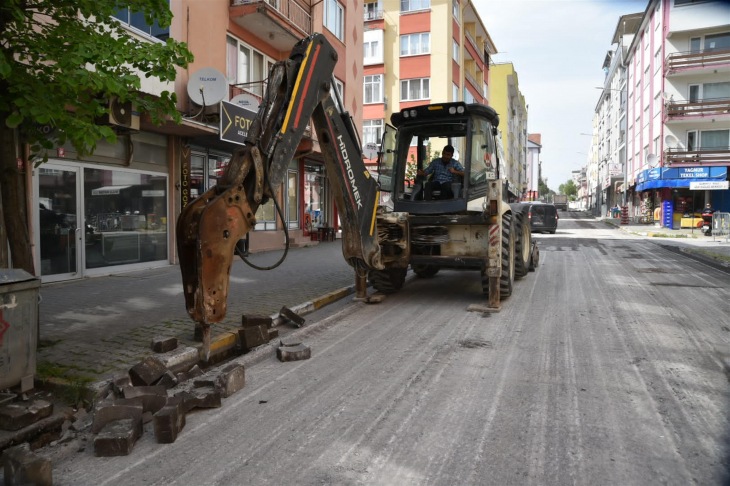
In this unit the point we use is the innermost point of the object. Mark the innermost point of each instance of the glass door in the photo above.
(58, 222)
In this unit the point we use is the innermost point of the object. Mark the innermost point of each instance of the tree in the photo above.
(569, 188)
(59, 66)
(543, 188)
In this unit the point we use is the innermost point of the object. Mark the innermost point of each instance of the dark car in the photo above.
(542, 217)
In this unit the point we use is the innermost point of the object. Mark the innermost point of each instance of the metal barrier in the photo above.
(721, 225)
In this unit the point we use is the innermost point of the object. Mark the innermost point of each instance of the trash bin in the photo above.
(18, 328)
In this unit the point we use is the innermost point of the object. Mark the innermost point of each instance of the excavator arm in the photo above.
(209, 227)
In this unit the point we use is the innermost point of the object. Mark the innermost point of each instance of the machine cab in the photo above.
(417, 139)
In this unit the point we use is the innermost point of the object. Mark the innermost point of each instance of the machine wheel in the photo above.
(425, 271)
(508, 257)
(553, 232)
(523, 246)
(389, 280)
(535, 261)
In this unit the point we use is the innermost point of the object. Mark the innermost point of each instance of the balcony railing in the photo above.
(474, 83)
(373, 15)
(697, 59)
(713, 106)
(288, 8)
(698, 156)
(471, 40)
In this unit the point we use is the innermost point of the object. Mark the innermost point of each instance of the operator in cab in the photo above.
(444, 169)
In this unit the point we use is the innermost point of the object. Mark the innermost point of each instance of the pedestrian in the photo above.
(444, 169)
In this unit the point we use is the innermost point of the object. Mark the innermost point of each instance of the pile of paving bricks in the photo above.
(161, 389)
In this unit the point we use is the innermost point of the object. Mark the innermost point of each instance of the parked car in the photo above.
(542, 217)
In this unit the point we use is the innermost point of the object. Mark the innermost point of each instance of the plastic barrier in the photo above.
(624, 215)
(721, 225)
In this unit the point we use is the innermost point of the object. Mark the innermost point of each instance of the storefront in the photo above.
(675, 184)
(107, 213)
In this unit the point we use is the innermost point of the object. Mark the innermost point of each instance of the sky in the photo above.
(557, 48)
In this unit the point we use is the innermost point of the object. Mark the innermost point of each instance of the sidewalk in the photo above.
(96, 326)
(689, 240)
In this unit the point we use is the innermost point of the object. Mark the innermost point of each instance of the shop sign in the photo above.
(709, 185)
(694, 172)
(615, 169)
(641, 178)
(653, 174)
(154, 193)
(235, 122)
(19, 161)
(61, 152)
(185, 194)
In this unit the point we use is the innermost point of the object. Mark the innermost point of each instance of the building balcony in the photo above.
(697, 59)
(474, 83)
(280, 23)
(676, 110)
(373, 15)
(471, 41)
(710, 156)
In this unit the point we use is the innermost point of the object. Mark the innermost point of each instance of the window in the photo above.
(411, 5)
(483, 163)
(137, 21)
(646, 153)
(658, 60)
(245, 66)
(455, 51)
(677, 3)
(468, 97)
(415, 89)
(714, 139)
(694, 93)
(657, 146)
(692, 140)
(455, 7)
(373, 89)
(715, 90)
(415, 44)
(372, 131)
(717, 42)
(647, 76)
(334, 18)
(657, 104)
(455, 92)
(695, 44)
(371, 51)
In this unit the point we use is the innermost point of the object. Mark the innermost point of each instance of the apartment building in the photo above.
(419, 52)
(611, 121)
(131, 193)
(678, 86)
(509, 102)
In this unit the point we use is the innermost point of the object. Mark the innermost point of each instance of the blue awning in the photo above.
(659, 183)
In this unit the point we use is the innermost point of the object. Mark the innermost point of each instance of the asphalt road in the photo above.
(602, 368)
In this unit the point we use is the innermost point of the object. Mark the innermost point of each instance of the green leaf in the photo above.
(14, 120)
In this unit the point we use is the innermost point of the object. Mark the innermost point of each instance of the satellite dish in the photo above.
(671, 141)
(666, 96)
(370, 150)
(207, 87)
(246, 101)
(652, 160)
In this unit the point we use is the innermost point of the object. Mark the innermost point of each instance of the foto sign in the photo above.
(709, 185)
(235, 122)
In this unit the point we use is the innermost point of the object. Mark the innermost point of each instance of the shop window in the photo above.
(293, 199)
(125, 217)
(266, 216)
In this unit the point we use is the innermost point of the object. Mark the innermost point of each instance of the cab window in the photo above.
(483, 165)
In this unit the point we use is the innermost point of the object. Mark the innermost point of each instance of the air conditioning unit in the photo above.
(122, 114)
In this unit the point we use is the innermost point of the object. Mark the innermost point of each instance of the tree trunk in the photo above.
(12, 189)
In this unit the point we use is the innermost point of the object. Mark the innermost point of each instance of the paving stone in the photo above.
(163, 344)
(168, 380)
(293, 353)
(273, 334)
(290, 341)
(113, 412)
(120, 380)
(170, 420)
(200, 398)
(147, 371)
(253, 320)
(230, 379)
(136, 391)
(180, 359)
(292, 316)
(23, 467)
(194, 372)
(253, 336)
(117, 438)
(147, 417)
(149, 403)
(16, 416)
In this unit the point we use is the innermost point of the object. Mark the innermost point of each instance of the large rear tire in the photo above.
(388, 281)
(522, 246)
(507, 279)
(425, 271)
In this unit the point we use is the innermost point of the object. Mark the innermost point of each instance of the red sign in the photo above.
(4, 326)
(61, 152)
(20, 164)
